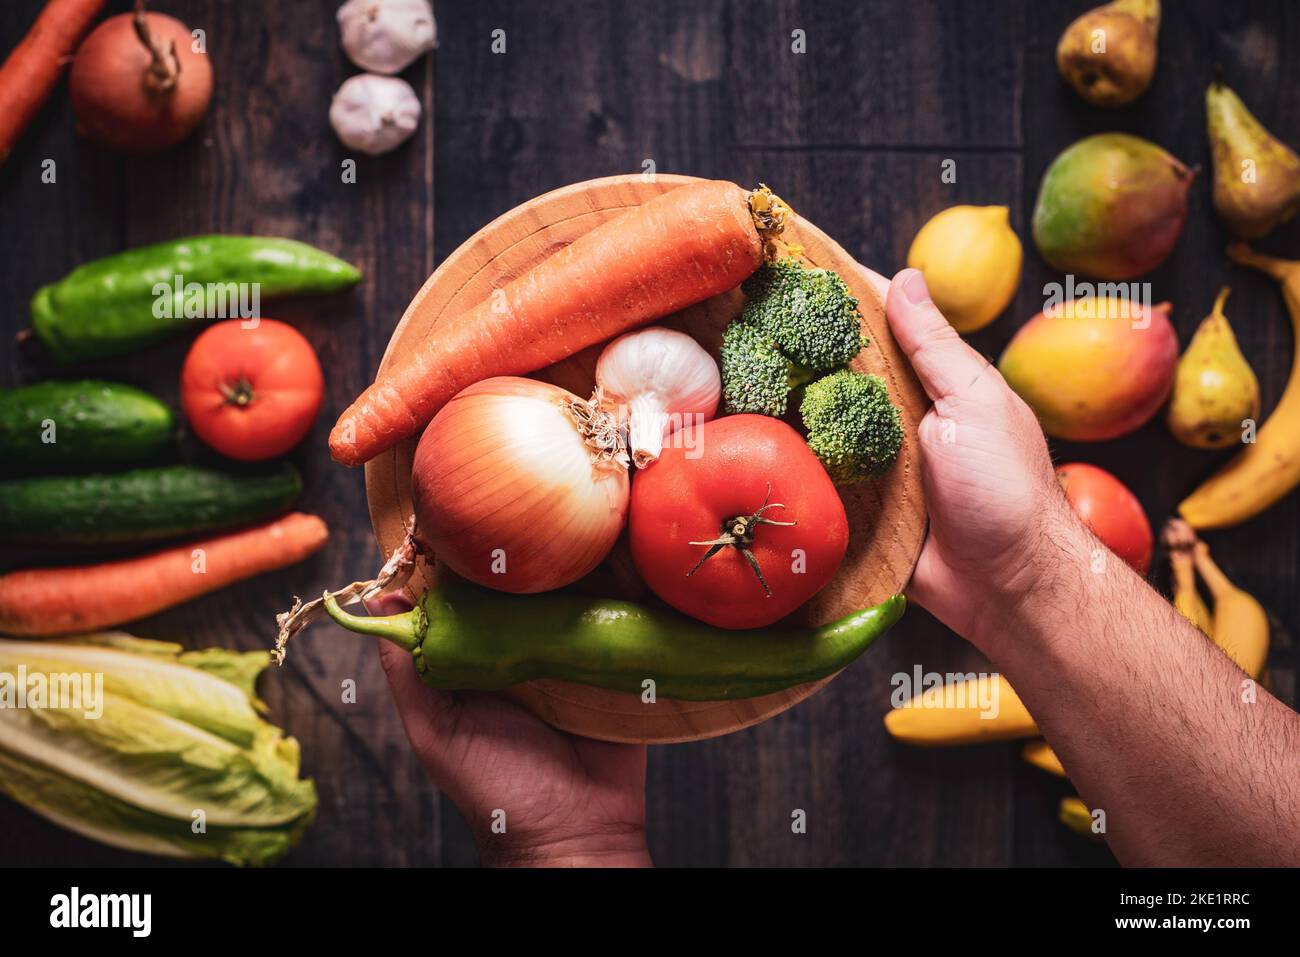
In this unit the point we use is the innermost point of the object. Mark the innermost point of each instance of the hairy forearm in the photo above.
(1190, 761)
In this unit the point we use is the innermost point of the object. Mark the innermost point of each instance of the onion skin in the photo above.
(500, 473)
(107, 86)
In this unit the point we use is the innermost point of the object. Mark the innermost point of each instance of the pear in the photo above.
(1214, 387)
(1109, 54)
(1256, 176)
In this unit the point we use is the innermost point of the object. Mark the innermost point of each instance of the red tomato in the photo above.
(1112, 512)
(707, 487)
(251, 394)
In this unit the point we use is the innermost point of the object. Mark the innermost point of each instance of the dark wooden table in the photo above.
(853, 132)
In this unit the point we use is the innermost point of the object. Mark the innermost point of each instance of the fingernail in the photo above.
(914, 288)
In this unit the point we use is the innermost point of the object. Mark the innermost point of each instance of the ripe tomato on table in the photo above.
(737, 524)
(251, 394)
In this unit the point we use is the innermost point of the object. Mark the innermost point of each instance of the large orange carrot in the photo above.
(60, 601)
(31, 70)
(680, 248)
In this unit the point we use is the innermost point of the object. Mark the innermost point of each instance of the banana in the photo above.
(1075, 815)
(954, 714)
(1240, 623)
(1181, 540)
(1268, 468)
(1041, 755)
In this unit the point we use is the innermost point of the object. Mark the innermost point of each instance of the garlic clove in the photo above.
(374, 114)
(656, 381)
(387, 36)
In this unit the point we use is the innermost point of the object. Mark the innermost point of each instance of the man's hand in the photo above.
(1190, 761)
(531, 795)
(995, 505)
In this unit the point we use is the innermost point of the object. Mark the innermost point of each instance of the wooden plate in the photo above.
(886, 518)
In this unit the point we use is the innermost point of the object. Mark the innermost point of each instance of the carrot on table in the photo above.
(31, 70)
(60, 601)
(678, 249)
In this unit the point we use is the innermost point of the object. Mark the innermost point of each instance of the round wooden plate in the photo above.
(886, 518)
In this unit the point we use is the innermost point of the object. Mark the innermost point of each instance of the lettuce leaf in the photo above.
(199, 694)
(82, 809)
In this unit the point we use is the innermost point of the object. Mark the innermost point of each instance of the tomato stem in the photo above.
(738, 532)
(240, 394)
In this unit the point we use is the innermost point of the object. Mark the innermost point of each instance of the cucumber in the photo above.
(85, 424)
(142, 505)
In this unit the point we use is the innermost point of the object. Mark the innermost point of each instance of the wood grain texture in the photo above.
(856, 128)
(886, 518)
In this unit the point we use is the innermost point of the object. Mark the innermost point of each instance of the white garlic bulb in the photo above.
(386, 36)
(657, 380)
(374, 114)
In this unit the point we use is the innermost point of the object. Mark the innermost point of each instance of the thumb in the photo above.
(944, 362)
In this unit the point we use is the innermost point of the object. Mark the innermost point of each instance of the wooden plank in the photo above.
(890, 74)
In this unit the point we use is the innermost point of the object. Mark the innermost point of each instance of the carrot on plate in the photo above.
(61, 601)
(31, 70)
(678, 249)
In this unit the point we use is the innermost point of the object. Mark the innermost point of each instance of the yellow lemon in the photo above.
(971, 259)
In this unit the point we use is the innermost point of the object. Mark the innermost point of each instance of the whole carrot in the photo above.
(60, 601)
(678, 249)
(31, 70)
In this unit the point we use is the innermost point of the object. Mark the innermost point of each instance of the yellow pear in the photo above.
(1215, 390)
(1109, 54)
(1256, 176)
(971, 258)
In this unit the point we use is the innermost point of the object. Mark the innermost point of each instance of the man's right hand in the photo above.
(996, 509)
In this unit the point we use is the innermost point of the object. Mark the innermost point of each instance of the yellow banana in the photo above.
(1180, 540)
(956, 714)
(1268, 468)
(1041, 755)
(1075, 815)
(1240, 623)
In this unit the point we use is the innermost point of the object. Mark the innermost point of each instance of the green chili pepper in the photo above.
(141, 296)
(468, 638)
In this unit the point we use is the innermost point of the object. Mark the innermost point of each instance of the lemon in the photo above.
(971, 259)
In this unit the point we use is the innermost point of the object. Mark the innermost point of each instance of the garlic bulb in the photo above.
(657, 380)
(386, 36)
(374, 114)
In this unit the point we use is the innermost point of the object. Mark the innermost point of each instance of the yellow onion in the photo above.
(519, 485)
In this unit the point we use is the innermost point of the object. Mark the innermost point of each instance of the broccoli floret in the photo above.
(755, 376)
(796, 323)
(852, 426)
(809, 314)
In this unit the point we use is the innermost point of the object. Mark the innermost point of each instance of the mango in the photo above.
(1093, 368)
(1111, 206)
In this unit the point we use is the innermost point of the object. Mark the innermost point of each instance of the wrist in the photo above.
(616, 849)
(1048, 584)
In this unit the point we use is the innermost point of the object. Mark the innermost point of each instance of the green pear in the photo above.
(1215, 389)
(1256, 176)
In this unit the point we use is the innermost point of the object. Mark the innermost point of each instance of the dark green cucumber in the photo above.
(142, 505)
(74, 426)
